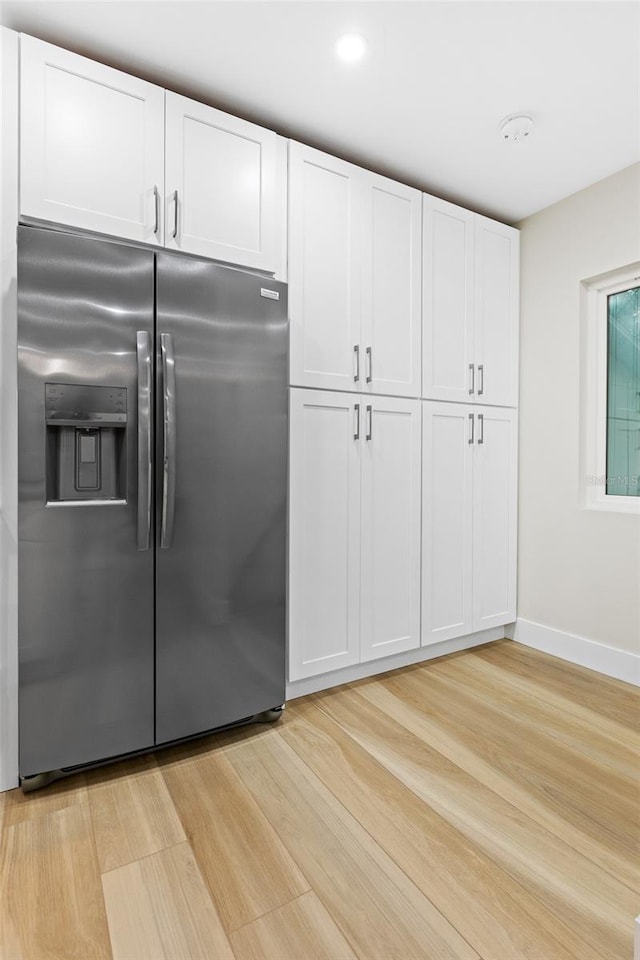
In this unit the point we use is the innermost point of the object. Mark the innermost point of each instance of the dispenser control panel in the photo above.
(75, 404)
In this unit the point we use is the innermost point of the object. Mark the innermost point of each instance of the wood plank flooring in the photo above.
(484, 806)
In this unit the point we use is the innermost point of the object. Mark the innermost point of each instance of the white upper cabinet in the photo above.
(325, 199)
(391, 324)
(496, 312)
(220, 185)
(470, 306)
(448, 245)
(91, 144)
(354, 277)
(391, 469)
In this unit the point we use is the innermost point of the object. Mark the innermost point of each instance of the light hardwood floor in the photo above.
(484, 805)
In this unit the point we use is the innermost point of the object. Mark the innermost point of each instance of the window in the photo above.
(623, 393)
(610, 407)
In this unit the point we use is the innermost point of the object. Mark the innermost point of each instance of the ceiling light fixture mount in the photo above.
(516, 129)
(351, 47)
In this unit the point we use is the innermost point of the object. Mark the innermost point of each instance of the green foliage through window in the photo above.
(623, 393)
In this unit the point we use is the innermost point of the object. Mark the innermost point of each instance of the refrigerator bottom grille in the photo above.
(40, 780)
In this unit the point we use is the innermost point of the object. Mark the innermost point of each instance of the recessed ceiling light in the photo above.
(351, 47)
(516, 129)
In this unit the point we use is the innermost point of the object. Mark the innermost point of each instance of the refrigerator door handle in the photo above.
(169, 439)
(143, 352)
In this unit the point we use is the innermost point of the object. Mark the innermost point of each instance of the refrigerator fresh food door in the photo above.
(85, 354)
(221, 493)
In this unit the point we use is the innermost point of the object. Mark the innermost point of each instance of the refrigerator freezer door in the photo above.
(220, 622)
(85, 589)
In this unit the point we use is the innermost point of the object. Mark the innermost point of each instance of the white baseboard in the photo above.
(300, 688)
(621, 664)
(636, 940)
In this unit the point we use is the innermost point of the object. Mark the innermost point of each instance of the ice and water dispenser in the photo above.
(86, 446)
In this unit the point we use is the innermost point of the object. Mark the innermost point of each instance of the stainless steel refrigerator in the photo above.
(152, 498)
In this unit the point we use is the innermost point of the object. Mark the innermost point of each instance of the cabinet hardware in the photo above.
(473, 378)
(156, 204)
(370, 365)
(481, 423)
(356, 351)
(472, 422)
(481, 372)
(175, 220)
(369, 422)
(356, 435)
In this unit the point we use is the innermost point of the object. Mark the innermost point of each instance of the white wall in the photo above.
(8, 410)
(579, 570)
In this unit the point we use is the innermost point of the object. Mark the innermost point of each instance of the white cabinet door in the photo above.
(496, 313)
(91, 144)
(447, 504)
(391, 442)
(495, 502)
(324, 533)
(391, 321)
(448, 297)
(221, 185)
(325, 197)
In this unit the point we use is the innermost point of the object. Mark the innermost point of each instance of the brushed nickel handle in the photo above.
(175, 215)
(369, 365)
(369, 432)
(156, 203)
(472, 434)
(143, 356)
(481, 374)
(481, 422)
(356, 351)
(473, 378)
(356, 435)
(169, 439)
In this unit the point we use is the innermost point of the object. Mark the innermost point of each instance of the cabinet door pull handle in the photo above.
(175, 215)
(370, 365)
(156, 205)
(481, 422)
(369, 422)
(356, 351)
(472, 434)
(473, 378)
(356, 408)
(481, 372)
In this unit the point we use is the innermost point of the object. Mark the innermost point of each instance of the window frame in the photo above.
(595, 293)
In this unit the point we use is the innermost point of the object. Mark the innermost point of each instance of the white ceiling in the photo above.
(425, 104)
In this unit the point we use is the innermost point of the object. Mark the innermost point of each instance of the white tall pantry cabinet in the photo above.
(470, 371)
(432, 508)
